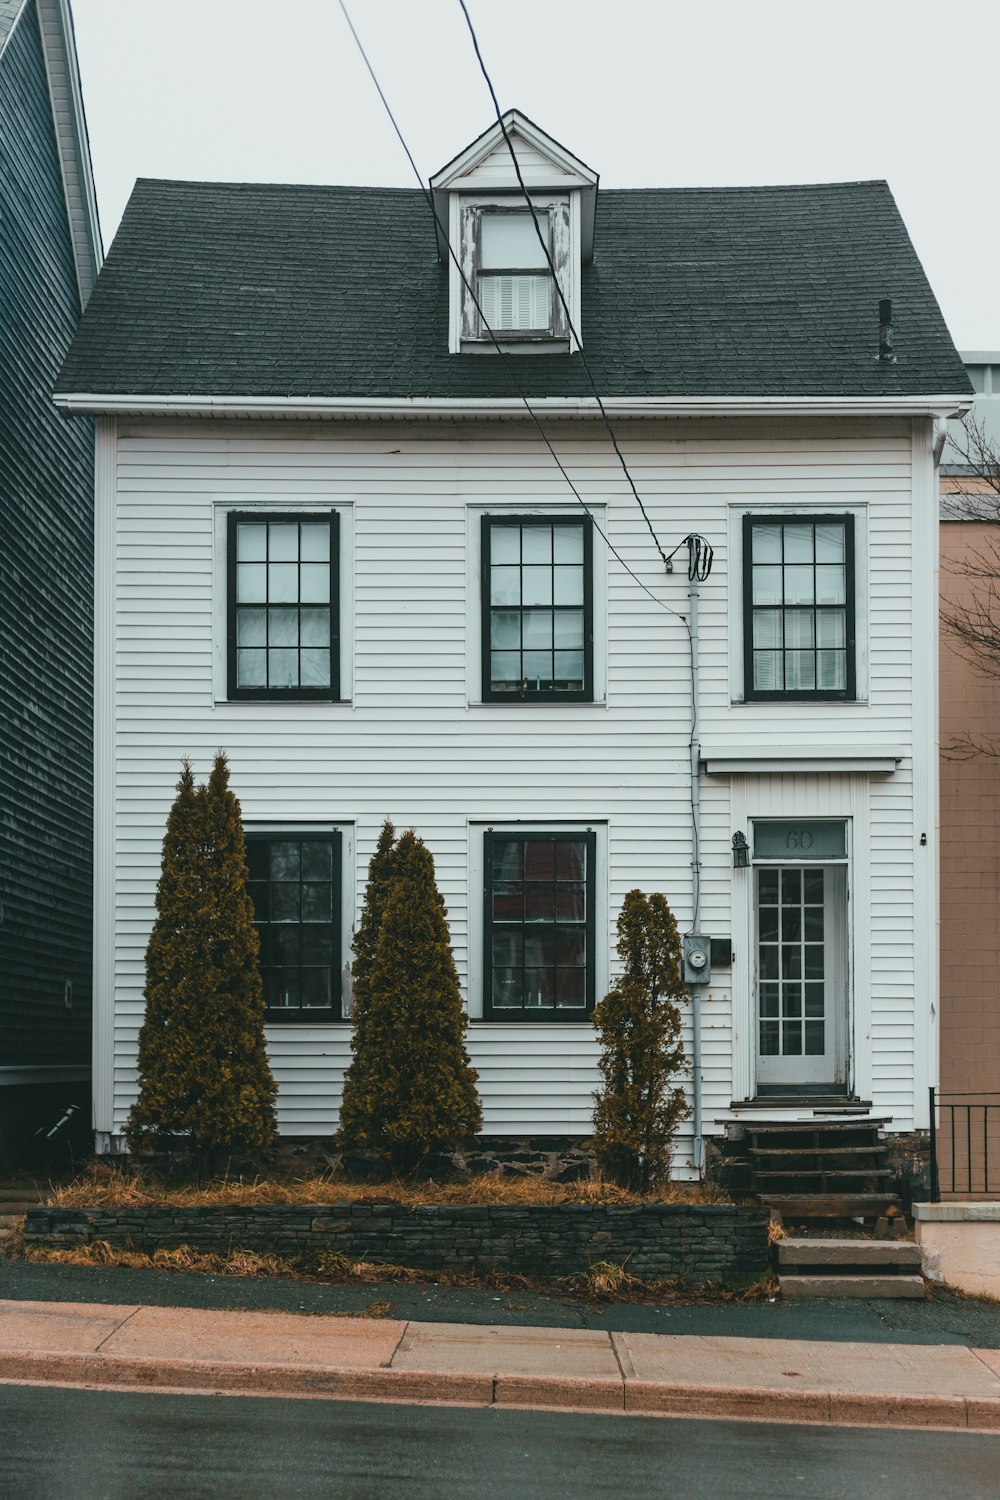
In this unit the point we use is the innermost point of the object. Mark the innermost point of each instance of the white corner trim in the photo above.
(926, 820)
(82, 403)
(105, 506)
(66, 95)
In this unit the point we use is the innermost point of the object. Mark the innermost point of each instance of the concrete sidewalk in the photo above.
(369, 1359)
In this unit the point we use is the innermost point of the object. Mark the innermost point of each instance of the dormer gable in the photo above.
(489, 222)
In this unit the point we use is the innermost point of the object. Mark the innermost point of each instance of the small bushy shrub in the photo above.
(204, 1076)
(639, 1022)
(410, 1089)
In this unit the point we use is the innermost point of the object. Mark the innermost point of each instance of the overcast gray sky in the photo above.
(650, 93)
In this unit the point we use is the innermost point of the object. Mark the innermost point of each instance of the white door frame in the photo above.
(820, 795)
(831, 1069)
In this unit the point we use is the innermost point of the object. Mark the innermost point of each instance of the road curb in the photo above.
(649, 1398)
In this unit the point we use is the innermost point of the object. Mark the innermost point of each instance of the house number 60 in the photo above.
(795, 840)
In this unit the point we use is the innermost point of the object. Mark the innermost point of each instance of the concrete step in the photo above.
(851, 1286)
(15, 1210)
(838, 1253)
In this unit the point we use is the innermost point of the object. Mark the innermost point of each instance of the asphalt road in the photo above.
(97, 1445)
(942, 1319)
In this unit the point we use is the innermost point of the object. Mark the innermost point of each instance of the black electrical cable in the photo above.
(555, 280)
(443, 233)
(496, 344)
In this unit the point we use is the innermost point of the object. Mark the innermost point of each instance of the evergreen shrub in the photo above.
(410, 1089)
(639, 1022)
(204, 1075)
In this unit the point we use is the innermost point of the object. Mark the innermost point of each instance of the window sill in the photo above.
(530, 1020)
(514, 700)
(284, 1023)
(533, 343)
(277, 702)
(799, 701)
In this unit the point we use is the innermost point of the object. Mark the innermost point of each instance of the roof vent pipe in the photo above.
(885, 354)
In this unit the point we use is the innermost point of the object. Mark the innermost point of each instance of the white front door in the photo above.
(800, 978)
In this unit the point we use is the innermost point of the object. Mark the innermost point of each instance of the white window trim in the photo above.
(320, 823)
(459, 205)
(477, 876)
(220, 620)
(800, 505)
(475, 510)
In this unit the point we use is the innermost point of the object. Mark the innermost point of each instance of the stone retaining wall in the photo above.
(716, 1242)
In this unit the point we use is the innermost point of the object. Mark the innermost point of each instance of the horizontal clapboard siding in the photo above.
(46, 550)
(412, 745)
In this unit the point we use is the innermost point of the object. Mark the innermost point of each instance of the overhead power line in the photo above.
(445, 239)
(555, 280)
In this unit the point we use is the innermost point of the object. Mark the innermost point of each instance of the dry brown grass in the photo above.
(602, 1282)
(110, 1186)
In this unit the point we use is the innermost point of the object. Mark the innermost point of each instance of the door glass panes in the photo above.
(538, 631)
(539, 946)
(791, 962)
(285, 631)
(798, 580)
(294, 886)
(514, 282)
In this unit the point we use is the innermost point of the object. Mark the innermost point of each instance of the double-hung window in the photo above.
(283, 607)
(515, 283)
(537, 609)
(539, 926)
(798, 607)
(295, 888)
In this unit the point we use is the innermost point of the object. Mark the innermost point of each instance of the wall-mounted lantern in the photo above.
(741, 851)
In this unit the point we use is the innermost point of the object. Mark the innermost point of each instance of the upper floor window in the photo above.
(537, 608)
(295, 888)
(283, 616)
(515, 283)
(539, 926)
(798, 607)
(506, 247)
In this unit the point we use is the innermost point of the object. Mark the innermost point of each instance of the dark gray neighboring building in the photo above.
(50, 254)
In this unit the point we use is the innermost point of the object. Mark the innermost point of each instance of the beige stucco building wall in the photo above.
(970, 844)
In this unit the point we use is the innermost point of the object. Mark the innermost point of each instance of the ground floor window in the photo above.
(539, 926)
(295, 887)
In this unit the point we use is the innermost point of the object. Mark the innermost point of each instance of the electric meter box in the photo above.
(697, 958)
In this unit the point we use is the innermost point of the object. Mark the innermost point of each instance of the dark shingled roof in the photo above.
(247, 290)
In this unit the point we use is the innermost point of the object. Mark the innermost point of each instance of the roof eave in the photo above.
(78, 403)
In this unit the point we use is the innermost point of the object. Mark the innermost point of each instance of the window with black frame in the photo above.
(798, 607)
(539, 926)
(295, 888)
(283, 608)
(537, 609)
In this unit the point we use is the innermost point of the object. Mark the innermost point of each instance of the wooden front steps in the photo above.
(811, 1169)
(849, 1268)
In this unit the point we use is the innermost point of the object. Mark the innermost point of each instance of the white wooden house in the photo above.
(331, 540)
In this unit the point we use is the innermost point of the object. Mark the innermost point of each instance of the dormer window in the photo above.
(515, 283)
(487, 234)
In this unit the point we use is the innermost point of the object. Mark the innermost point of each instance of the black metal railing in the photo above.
(965, 1143)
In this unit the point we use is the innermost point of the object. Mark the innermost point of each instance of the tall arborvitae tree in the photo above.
(365, 1074)
(419, 1093)
(203, 1069)
(637, 1111)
